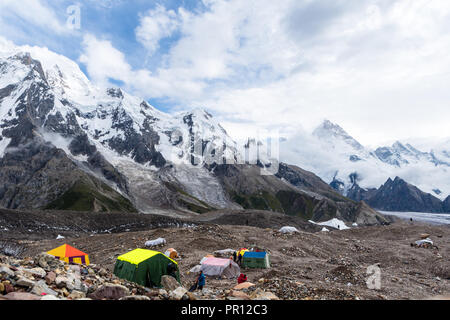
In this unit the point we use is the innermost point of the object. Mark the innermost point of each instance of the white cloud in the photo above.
(32, 12)
(155, 25)
(104, 62)
(374, 67)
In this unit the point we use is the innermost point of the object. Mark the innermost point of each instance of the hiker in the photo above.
(199, 283)
(234, 256)
(242, 278)
(172, 269)
(240, 254)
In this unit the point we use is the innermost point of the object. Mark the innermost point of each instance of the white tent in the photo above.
(288, 230)
(156, 242)
(217, 267)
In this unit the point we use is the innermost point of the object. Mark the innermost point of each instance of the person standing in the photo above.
(201, 280)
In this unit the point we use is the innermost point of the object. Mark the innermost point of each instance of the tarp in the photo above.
(424, 241)
(224, 253)
(288, 230)
(217, 267)
(70, 254)
(144, 267)
(156, 242)
(256, 260)
(242, 251)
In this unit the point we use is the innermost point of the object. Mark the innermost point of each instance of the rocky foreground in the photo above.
(46, 278)
(304, 265)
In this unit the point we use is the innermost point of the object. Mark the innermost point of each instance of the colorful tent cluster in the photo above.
(145, 267)
(70, 255)
(259, 260)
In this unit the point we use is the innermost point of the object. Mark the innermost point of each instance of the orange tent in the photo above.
(171, 253)
(70, 254)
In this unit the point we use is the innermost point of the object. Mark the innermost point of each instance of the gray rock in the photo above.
(41, 287)
(6, 271)
(109, 291)
(178, 293)
(35, 272)
(169, 283)
(21, 296)
(24, 282)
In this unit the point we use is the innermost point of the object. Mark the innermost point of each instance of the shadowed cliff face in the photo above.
(398, 195)
(294, 192)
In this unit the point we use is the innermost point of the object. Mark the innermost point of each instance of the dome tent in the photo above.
(70, 254)
(256, 259)
(145, 267)
(171, 253)
(217, 267)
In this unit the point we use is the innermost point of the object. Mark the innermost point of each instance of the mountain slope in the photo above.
(398, 195)
(65, 144)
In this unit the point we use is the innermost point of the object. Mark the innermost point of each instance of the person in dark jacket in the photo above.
(199, 282)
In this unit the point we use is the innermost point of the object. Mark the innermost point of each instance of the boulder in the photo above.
(61, 281)
(24, 282)
(243, 285)
(177, 294)
(169, 283)
(21, 296)
(35, 272)
(263, 295)
(41, 287)
(6, 271)
(47, 261)
(109, 291)
(76, 295)
(191, 296)
(50, 277)
(240, 295)
(8, 288)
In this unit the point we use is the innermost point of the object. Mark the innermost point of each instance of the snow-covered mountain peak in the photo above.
(333, 133)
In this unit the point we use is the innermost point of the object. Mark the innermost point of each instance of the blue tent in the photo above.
(257, 259)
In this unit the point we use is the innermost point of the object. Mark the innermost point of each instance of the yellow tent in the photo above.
(70, 255)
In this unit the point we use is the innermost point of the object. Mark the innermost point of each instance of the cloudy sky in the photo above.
(379, 68)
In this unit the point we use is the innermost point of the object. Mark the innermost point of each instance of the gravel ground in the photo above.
(305, 265)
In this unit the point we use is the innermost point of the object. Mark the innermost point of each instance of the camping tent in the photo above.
(256, 260)
(171, 253)
(217, 267)
(145, 267)
(70, 255)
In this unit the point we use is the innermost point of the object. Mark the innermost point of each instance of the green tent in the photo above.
(145, 267)
(258, 260)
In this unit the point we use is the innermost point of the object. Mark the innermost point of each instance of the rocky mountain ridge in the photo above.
(68, 145)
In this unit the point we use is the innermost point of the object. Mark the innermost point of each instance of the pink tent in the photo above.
(217, 267)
